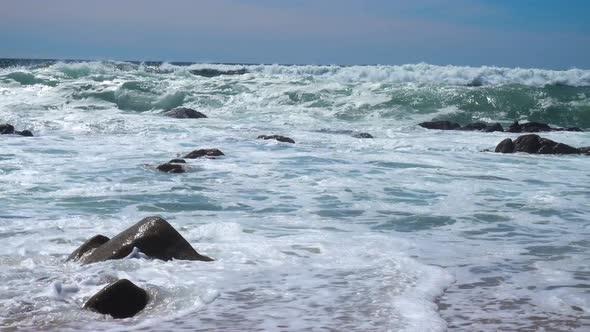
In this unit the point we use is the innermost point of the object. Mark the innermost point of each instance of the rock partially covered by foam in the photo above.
(171, 168)
(7, 129)
(210, 72)
(120, 299)
(204, 153)
(535, 144)
(184, 113)
(153, 236)
(279, 138)
(88, 247)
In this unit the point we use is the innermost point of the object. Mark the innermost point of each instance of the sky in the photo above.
(510, 33)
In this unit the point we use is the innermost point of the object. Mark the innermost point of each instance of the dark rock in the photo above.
(171, 168)
(208, 72)
(277, 138)
(6, 129)
(585, 149)
(26, 133)
(177, 161)
(480, 126)
(442, 125)
(153, 236)
(530, 127)
(184, 113)
(88, 247)
(506, 146)
(208, 153)
(535, 144)
(362, 135)
(121, 299)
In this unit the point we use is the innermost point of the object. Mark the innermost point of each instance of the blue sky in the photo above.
(524, 33)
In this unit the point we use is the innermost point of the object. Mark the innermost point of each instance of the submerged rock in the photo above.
(184, 113)
(362, 135)
(209, 72)
(88, 247)
(441, 125)
(279, 138)
(153, 236)
(535, 144)
(120, 299)
(207, 153)
(171, 168)
(480, 126)
(177, 161)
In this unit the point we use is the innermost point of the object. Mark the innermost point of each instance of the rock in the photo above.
(536, 127)
(184, 113)
(88, 247)
(121, 299)
(277, 138)
(535, 144)
(585, 149)
(208, 153)
(362, 135)
(480, 126)
(442, 125)
(506, 146)
(208, 72)
(153, 236)
(177, 161)
(171, 168)
(6, 129)
(26, 133)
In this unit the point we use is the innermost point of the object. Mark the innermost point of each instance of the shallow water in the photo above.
(413, 230)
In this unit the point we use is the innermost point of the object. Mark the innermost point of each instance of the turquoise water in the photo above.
(413, 230)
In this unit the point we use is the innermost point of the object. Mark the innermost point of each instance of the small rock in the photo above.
(171, 168)
(362, 135)
(26, 133)
(121, 299)
(277, 138)
(88, 247)
(6, 129)
(480, 126)
(441, 125)
(184, 113)
(177, 161)
(208, 153)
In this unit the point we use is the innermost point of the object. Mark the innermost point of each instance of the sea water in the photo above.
(413, 230)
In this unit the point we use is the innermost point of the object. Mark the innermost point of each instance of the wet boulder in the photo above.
(88, 247)
(177, 161)
(529, 127)
(535, 144)
(485, 127)
(441, 125)
(210, 72)
(120, 299)
(171, 168)
(204, 153)
(506, 146)
(6, 129)
(279, 138)
(153, 236)
(184, 113)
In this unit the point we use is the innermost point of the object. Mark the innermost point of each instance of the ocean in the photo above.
(412, 230)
